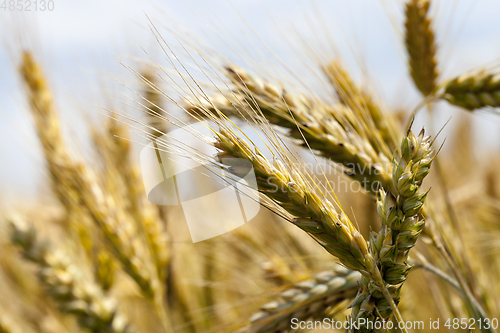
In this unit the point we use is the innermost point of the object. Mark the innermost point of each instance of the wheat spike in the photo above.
(474, 90)
(145, 214)
(421, 46)
(68, 285)
(335, 132)
(75, 185)
(383, 126)
(398, 210)
(313, 214)
(308, 299)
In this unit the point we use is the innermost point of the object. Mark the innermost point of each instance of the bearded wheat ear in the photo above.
(334, 132)
(474, 90)
(76, 188)
(421, 46)
(398, 210)
(313, 214)
(385, 131)
(312, 298)
(68, 285)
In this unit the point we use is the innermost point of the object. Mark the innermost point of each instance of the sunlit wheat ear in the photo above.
(73, 291)
(289, 189)
(77, 189)
(381, 126)
(313, 298)
(48, 130)
(334, 132)
(421, 46)
(398, 210)
(474, 90)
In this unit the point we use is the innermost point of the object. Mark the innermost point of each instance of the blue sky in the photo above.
(80, 44)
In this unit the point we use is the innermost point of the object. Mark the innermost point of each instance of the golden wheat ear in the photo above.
(421, 46)
(68, 285)
(77, 189)
(313, 298)
(335, 132)
(381, 125)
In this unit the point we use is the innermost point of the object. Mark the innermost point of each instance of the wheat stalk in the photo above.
(67, 284)
(474, 90)
(309, 298)
(421, 47)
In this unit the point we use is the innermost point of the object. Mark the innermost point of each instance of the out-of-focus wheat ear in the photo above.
(145, 214)
(47, 124)
(474, 90)
(60, 165)
(105, 269)
(153, 103)
(7, 323)
(491, 182)
(309, 299)
(155, 229)
(70, 287)
(74, 185)
(384, 126)
(421, 46)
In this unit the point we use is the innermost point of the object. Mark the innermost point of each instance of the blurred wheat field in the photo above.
(348, 229)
